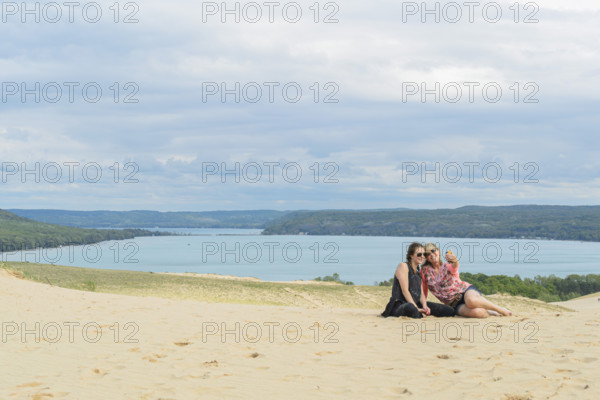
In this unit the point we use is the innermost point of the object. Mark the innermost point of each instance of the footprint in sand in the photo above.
(401, 390)
(561, 371)
(562, 351)
(42, 396)
(153, 358)
(203, 376)
(322, 353)
(30, 384)
(99, 372)
(517, 397)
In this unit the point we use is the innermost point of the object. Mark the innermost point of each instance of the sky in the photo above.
(198, 106)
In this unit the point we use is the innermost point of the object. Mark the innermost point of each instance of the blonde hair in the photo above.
(429, 247)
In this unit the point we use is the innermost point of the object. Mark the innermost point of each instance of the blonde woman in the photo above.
(445, 284)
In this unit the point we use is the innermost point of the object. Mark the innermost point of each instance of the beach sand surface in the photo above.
(66, 344)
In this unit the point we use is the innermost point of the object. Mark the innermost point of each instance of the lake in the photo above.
(360, 259)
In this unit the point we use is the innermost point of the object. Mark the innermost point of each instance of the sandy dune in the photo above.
(64, 344)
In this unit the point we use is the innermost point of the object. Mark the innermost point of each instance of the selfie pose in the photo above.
(445, 284)
(408, 298)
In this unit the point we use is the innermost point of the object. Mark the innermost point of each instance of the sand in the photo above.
(65, 344)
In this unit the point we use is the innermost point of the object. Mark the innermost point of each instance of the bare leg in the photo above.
(475, 300)
(465, 311)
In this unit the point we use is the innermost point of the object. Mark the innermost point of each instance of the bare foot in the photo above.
(506, 312)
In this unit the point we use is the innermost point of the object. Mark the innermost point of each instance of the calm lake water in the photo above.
(362, 260)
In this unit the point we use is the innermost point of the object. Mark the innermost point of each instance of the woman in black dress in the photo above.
(407, 298)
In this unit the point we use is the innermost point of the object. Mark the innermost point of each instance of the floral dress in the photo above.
(447, 286)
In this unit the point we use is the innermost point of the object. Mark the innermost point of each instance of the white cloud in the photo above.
(368, 133)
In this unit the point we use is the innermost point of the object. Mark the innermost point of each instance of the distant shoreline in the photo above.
(530, 222)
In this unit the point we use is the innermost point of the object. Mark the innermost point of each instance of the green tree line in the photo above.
(17, 233)
(152, 219)
(520, 222)
(546, 288)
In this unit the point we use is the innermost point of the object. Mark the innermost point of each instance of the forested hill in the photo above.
(18, 233)
(154, 219)
(524, 221)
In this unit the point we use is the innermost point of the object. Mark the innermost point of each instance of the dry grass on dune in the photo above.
(228, 289)
(204, 288)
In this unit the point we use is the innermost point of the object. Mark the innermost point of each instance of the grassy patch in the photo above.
(203, 288)
(219, 290)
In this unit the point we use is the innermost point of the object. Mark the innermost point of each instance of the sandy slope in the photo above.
(174, 349)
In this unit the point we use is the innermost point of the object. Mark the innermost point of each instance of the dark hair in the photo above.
(411, 250)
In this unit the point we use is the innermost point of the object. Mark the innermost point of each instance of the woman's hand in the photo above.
(451, 258)
(425, 310)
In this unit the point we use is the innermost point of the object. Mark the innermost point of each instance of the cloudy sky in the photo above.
(188, 105)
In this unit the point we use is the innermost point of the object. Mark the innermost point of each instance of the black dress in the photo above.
(398, 306)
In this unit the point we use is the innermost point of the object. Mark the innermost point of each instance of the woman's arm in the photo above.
(425, 284)
(424, 292)
(425, 309)
(453, 266)
(402, 275)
